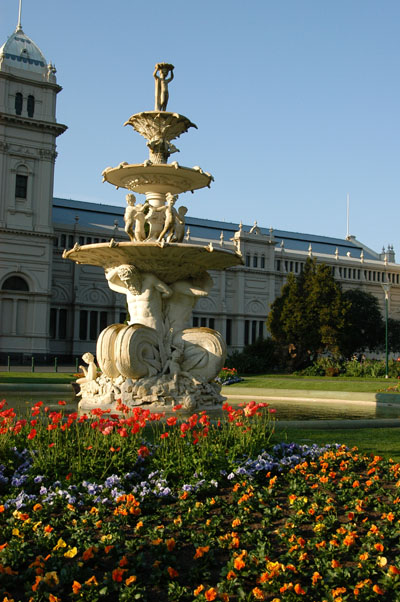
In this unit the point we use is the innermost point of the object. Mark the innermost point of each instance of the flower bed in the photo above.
(140, 507)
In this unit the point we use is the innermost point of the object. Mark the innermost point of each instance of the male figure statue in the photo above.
(144, 293)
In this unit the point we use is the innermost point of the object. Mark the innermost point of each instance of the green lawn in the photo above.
(379, 441)
(315, 383)
(37, 377)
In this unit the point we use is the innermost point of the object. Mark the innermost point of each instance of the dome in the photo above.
(19, 51)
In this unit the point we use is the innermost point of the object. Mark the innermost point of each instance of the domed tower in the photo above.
(28, 131)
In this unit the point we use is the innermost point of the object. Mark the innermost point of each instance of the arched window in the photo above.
(31, 105)
(21, 182)
(15, 283)
(18, 103)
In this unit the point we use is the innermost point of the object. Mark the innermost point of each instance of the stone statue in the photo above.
(179, 225)
(171, 216)
(144, 293)
(90, 373)
(184, 297)
(134, 216)
(160, 74)
(155, 218)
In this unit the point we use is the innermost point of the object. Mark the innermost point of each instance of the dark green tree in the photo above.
(364, 328)
(309, 316)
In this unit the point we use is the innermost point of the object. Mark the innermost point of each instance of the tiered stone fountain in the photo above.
(156, 360)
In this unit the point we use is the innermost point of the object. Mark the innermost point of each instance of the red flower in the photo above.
(62, 403)
(171, 421)
(143, 451)
(164, 435)
(32, 434)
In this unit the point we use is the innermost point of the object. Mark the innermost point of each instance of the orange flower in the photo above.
(198, 590)
(257, 593)
(36, 584)
(210, 594)
(201, 551)
(123, 561)
(298, 589)
(379, 547)
(172, 572)
(335, 564)
(76, 587)
(130, 580)
(394, 570)
(239, 564)
(338, 590)
(315, 577)
(378, 590)
(51, 598)
(118, 574)
(170, 543)
(364, 556)
(231, 575)
(236, 522)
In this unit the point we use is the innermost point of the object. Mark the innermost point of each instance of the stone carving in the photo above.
(143, 291)
(135, 216)
(88, 385)
(161, 72)
(156, 359)
(185, 294)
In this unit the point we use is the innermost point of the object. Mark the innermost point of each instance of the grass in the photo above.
(378, 441)
(37, 377)
(314, 383)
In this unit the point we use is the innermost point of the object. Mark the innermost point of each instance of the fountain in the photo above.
(156, 360)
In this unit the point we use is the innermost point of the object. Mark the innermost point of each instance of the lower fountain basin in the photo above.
(169, 261)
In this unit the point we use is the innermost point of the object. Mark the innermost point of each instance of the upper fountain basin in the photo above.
(160, 124)
(160, 178)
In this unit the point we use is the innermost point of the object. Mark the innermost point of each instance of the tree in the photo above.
(309, 316)
(364, 326)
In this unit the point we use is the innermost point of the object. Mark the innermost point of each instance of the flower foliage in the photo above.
(280, 524)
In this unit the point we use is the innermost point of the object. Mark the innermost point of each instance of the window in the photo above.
(21, 186)
(63, 241)
(15, 283)
(122, 317)
(246, 331)
(211, 323)
(195, 321)
(18, 103)
(81, 240)
(92, 323)
(278, 265)
(58, 323)
(255, 261)
(203, 322)
(247, 261)
(31, 105)
(70, 241)
(262, 261)
(83, 322)
(229, 331)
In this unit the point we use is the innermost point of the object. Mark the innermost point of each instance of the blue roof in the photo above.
(98, 216)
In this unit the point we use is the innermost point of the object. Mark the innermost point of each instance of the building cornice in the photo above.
(37, 81)
(27, 233)
(33, 124)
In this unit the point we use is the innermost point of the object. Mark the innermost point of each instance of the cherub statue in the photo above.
(90, 373)
(179, 225)
(171, 216)
(160, 74)
(134, 215)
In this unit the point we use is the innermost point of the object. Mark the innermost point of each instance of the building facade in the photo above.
(50, 306)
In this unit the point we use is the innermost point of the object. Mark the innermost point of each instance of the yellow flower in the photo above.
(60, 544)
(71, 553)
(381, 561)
(51, 578)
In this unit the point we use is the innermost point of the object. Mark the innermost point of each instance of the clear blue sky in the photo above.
(296, 101)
